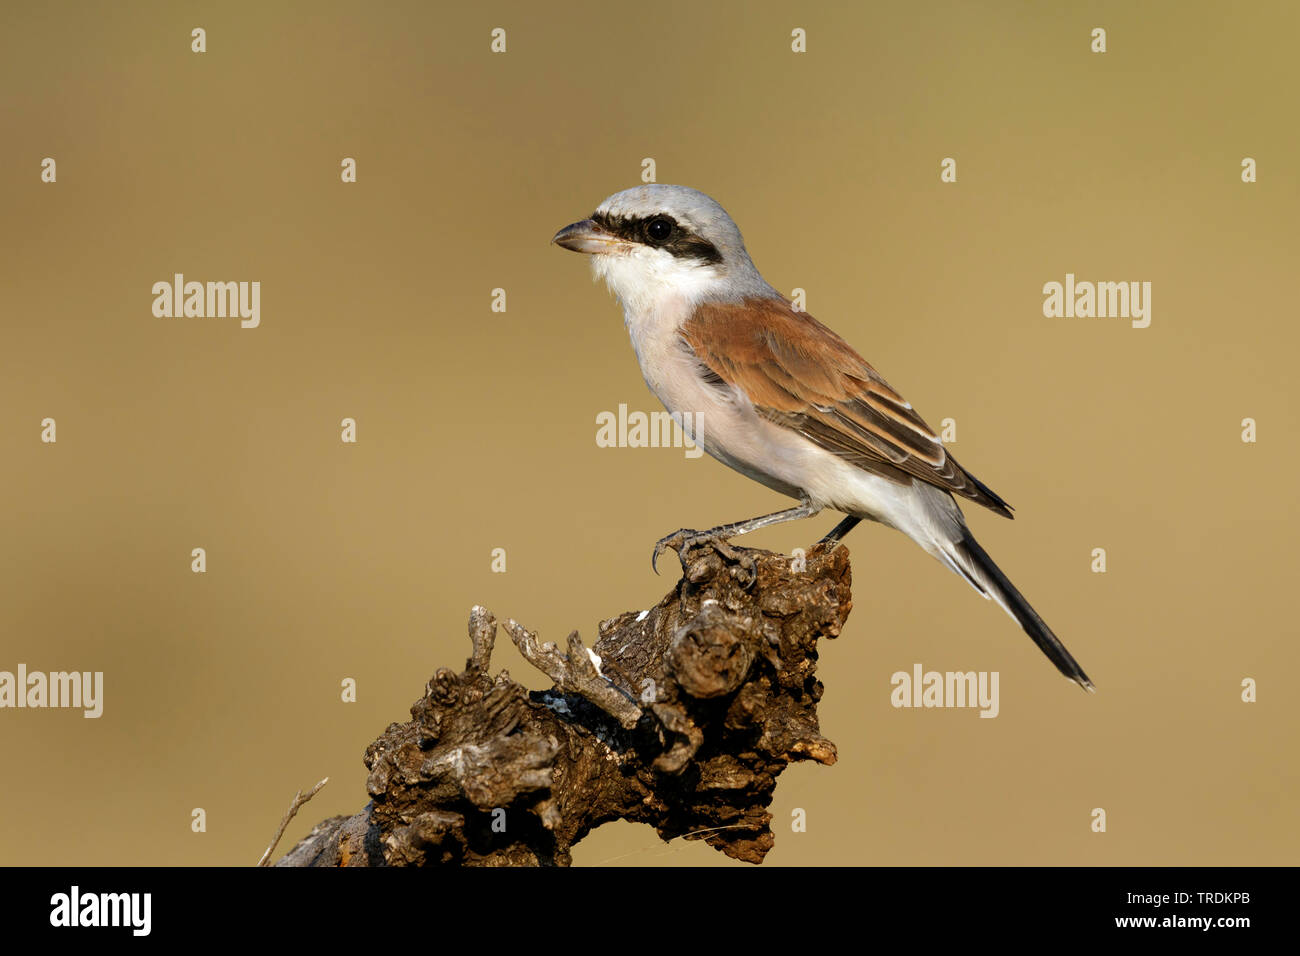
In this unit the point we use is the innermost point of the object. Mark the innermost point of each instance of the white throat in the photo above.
(646, 281)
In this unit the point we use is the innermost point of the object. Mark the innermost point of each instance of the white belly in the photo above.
(722, 421)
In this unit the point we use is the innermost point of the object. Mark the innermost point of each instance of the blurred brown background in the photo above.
(477, 429)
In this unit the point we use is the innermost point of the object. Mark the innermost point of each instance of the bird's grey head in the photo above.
(658, 243)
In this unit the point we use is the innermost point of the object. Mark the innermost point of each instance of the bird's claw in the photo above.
(685, 539)
(676, 541)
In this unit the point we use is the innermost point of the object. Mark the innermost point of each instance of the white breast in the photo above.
(731, 431)
(720, 420)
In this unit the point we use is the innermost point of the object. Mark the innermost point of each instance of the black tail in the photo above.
(1005, 593)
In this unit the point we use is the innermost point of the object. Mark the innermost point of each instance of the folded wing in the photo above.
(802, 376)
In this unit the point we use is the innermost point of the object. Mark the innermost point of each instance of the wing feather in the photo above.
(802, 376)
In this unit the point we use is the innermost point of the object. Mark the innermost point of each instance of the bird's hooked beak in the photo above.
(588, 237)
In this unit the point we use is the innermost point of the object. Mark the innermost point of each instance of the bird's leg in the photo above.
(838, 532)
(683, 540)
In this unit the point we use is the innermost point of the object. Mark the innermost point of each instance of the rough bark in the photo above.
(683, 718)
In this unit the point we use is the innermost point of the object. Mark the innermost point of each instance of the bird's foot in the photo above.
(836, 535)
(687, 539)
(825, 546)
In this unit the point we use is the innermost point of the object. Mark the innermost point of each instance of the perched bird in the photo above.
(778, 396)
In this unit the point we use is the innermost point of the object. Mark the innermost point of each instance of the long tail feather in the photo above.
(998, 587)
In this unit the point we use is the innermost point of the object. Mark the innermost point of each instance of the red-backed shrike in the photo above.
(779, 397)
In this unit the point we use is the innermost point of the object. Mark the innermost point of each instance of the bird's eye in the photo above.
(659, 229)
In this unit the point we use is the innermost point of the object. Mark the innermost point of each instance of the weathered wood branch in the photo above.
(681, 717)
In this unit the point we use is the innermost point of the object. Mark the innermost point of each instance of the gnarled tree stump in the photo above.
(681, 717)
